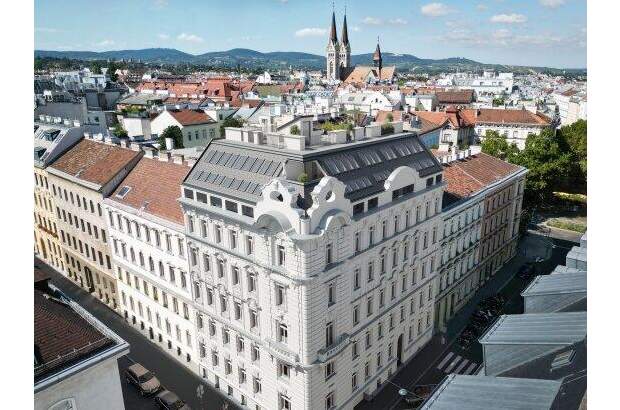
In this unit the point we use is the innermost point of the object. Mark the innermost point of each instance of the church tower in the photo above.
(333, 53)
(345, 47)
(377, 59)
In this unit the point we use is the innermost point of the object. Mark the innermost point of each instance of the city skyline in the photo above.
(534, 33)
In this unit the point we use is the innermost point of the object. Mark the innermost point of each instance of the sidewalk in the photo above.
(529, 248)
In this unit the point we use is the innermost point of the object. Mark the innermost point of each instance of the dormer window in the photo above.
(123, 191)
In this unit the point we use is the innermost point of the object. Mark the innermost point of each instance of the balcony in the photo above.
(327, 352)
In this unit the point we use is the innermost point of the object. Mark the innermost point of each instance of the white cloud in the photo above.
(311, 32)
(376, 21)
(435, 9)
(513, 18)
(163, 36)
(105, 43)
(552, 3)
(372, 21)
(504, 38)
(398, 21)
(192, 38)
(356, 28)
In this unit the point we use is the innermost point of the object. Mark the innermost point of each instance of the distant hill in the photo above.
(278, 59)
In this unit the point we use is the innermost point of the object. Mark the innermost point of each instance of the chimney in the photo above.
(164, 156)
(169, 144)
(178, 159)
(134, 146)
(148, 152)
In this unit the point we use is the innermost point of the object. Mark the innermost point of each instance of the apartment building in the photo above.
(475, 194)
(51, 139)
(148, 246)
(311, 294)
(80, 179)
(196, 126)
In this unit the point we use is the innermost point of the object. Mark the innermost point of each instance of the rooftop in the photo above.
(94, 162)
(501, 393)
(190, 117)
(503, 116)
(455, 97)
(538, 328)
(153, 187)
(557, 284)
(465, 177)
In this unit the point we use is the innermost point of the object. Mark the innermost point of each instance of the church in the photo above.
(339, 66)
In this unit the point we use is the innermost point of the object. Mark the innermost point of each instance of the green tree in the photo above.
(295, 130)
(496, 145)
(173, 132)
(119, 131)
(390, 117)
(95, 67)
(576, 137)
(112, 67)
(230, 122)
(548, 161)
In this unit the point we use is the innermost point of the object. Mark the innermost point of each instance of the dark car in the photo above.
(144, 380)
(169, 401)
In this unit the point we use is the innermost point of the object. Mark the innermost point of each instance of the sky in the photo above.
(548, 33)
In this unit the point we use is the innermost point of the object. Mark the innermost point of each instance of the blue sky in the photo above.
(528, 32)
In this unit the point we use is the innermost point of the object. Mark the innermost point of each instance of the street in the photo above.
(171, 374)
(442, 355)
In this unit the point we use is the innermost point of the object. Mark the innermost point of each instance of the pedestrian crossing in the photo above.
(454, 363)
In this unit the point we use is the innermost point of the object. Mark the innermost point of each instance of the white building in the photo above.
(572, 106)
(75, 355)
(514, 125)
(368, 102)
(312, 294)
(197, 127)
(147, 241)
(264, 78)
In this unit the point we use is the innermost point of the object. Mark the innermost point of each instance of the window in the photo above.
(371, 235)
(329, 370)
(218, 234)
(384, 229)
(232, 206)
(368, 339)
(373, 203)
(356, 279)
(233, 239)
(371, 267)
(354, 381)
(331, 294)
(280, 294)
(251, 282)
(247, 211)
(203, 228)
(284, 402)
(215, 201)
(235, 275)
(284, 370)
(256, 385)
(356, 315)
(329, 334)
(357, 242)
(223, 303)
(281, 255)
(328, 254)
(253, 318)
(237, 310)
(282, 333)
(354, 350)
(358, 208)
(249, 245)
(563, 359)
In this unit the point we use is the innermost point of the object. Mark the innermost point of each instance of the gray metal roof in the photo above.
(241, 170)
(561, 269)
(464, 392)
(557, 284)
(538, 328)
(142, 99)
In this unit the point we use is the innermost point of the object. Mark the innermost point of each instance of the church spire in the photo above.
(345, 32)
(378, 60)
(333, 36)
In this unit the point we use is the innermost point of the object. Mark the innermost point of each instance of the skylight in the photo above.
(123, 192)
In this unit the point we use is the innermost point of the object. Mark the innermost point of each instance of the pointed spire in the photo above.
(377, 55)
(333, 36)
(345, 31)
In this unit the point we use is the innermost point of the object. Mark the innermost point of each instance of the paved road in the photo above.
(172, 374)
(442, 355)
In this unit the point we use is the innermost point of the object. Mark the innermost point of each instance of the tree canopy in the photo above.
(173, 132)
(119, 131)
(496, 145)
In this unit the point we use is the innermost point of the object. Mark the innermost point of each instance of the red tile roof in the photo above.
(61, 335)
(190, 117)
(382, 116)
(455, 97)
(467, 176)
(503, 116)
(451, 116)
(155, 186)
(94, 162)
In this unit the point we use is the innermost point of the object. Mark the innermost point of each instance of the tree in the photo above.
(95, 67)
(119, 131)
(173, 132)
(390, 117)
(496, 145)
(295, 130)
(230, 122)
(576, 137)
(548, 161)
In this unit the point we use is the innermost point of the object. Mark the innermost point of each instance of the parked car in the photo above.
(143, 379)
(169, 401)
